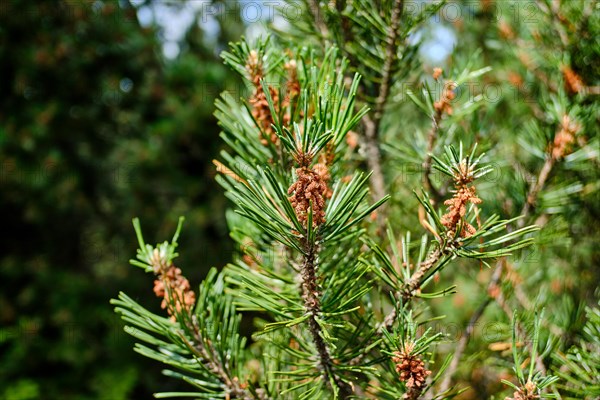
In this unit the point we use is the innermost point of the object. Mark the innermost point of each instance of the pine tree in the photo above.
(343, 306)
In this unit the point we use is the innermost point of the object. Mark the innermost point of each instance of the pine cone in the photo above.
(310, 187)
(457, 208)
(411, 369)
(179, 292)
(564, 137)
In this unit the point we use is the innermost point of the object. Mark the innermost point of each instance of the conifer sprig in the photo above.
(579, 368)
(307, 220)
(454, 234)
(200, 342)
(530, 385)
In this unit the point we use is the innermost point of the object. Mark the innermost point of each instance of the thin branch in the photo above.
(431, 137)
(177, 294)
(373, 156)
(346, 30)
(316, 14)
(531, 199)
(535, 189)
(410, 287)
(464, 339)
(406, 293)
(371, 125)
(310, 294)
(390, 56)
(414, 283)
(210, 356)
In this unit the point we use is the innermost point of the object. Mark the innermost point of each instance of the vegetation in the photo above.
(411, 196)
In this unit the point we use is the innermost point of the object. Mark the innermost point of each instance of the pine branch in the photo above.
(346, 30)
(461, 346)
(415, 280)
(310, 294)
(301, 218)
(427, 163)
(371, 126)
(373, 154)
(390, 57)
(317, 17)
(531, 198)
(408, 291)
(189, 344)
(536, 187)
(436, 110)
(455, 236)
(208, 354)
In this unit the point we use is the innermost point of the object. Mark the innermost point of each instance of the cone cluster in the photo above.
(172, 286)
(411, 369)
(309, 189)
(457, 205)
(564, 138)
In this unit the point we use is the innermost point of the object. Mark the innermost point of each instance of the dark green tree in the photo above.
(95, 125)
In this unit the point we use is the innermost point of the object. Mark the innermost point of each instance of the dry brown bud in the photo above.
(443, 104)
(528, 392)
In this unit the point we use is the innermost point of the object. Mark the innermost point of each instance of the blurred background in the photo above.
(105, 115)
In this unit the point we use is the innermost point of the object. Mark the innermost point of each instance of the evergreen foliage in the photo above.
(341, 307)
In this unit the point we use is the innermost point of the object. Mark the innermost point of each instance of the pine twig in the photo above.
(535, 189)
(346, 30)
(415, 280)
(310, 294)
(464, 339)
(390, 55)
(427, 164)
(315, 10)
(408, 291)
(373, 155)
(208, 355)
(371, 125)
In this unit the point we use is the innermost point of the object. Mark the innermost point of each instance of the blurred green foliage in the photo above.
(96, 127)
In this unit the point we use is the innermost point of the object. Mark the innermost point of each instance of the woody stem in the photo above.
(310, 294)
